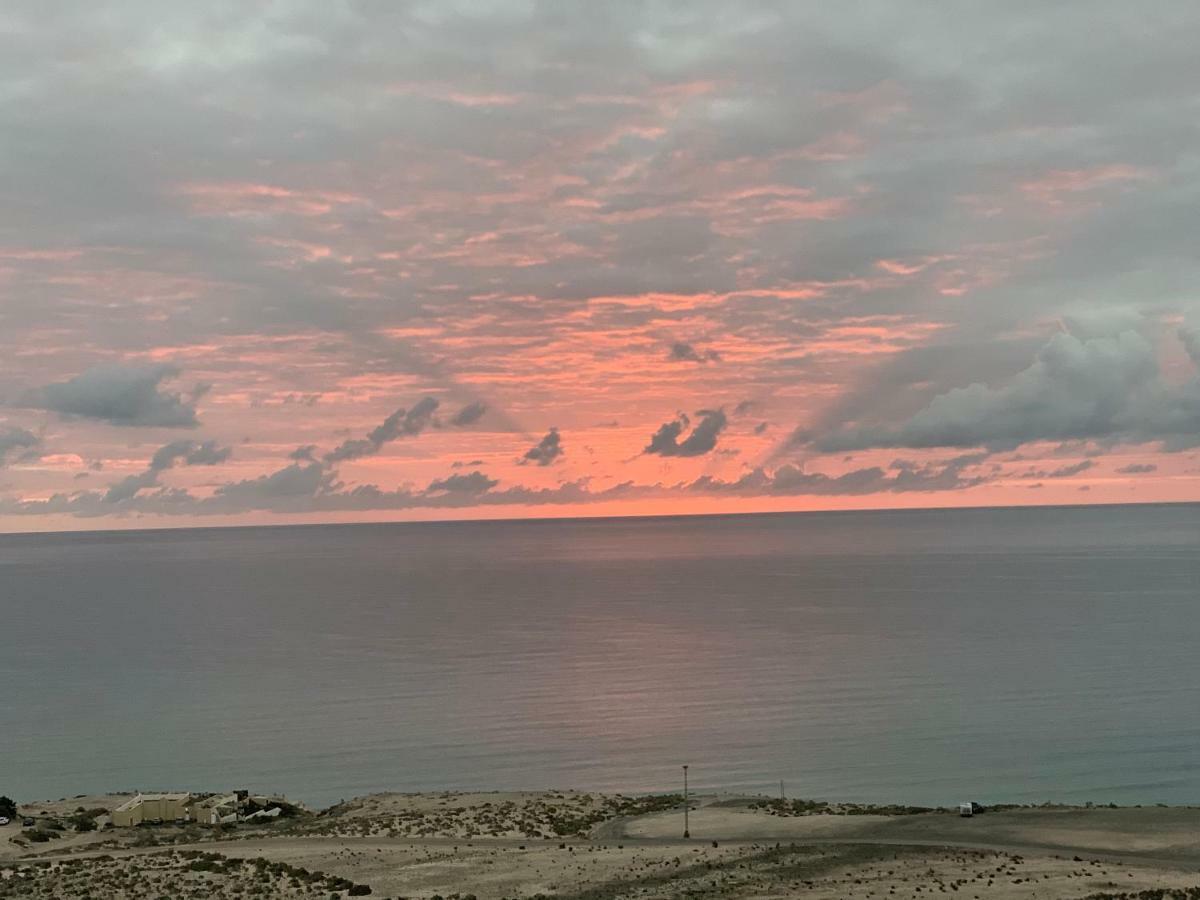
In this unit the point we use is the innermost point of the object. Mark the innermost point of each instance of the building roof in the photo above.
(135, 802)
(219, 800)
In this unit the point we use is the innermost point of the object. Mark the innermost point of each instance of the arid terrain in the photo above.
(589, 846)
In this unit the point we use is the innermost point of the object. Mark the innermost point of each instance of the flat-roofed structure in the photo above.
(153, 808)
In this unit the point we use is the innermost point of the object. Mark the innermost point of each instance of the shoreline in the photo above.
(835, 806)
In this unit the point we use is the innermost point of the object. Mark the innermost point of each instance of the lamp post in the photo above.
(686, 832)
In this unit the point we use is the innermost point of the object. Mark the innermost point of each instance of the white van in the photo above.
(966, 809)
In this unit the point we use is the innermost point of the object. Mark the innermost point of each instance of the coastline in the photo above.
(576, 845)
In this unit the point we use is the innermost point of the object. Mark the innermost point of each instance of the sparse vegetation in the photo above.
(186, 874)
(548, 816)
(777, 807)
(84, 820)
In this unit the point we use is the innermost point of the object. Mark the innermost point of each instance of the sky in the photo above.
(312, 260)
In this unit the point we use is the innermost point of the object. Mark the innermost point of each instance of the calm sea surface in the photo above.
(932, 656)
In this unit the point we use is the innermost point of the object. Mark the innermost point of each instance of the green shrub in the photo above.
(83, 821)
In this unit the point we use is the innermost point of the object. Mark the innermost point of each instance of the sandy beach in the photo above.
(577, 845)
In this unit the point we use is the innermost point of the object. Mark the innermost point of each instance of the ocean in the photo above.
(927, 657)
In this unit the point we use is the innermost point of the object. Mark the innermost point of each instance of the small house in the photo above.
(153, 808)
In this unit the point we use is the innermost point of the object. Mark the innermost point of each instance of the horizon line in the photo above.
(600, 517)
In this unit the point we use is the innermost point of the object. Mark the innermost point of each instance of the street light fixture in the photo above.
(686, 832)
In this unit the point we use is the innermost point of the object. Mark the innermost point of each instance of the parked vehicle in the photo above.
(3, 820)
(966, 810)
(27, 822)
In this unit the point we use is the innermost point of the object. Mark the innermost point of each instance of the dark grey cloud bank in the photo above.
(185, 453)
(120, 395)
(470, 483)
(682, 351)
(1106, 387)
(545, 451)
(793, 480)
(1061, 472)
(469, 414)
(306, 488)
(401, 423)
(16, 442)
(701, 440)
(1137, 469)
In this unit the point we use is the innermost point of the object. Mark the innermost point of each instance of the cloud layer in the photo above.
(701, 440)
(545, 451)
(401, 423)
(119, 395)
(15, 442)
(185, 453)
(1106, 387)
(944, 256)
